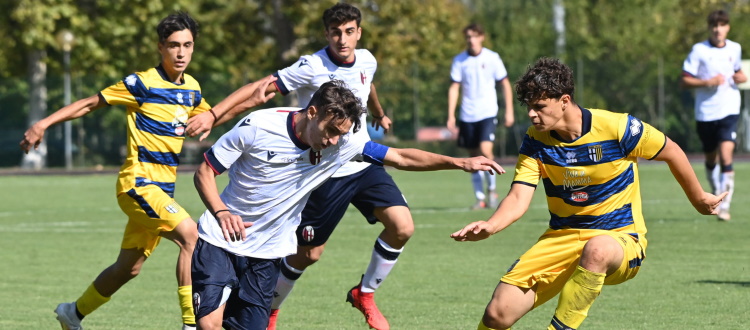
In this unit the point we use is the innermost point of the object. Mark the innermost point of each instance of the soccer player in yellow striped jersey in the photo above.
(159, 102)
(587, 161)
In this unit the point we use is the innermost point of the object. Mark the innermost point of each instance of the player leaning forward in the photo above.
(275, 158)
(587, 160)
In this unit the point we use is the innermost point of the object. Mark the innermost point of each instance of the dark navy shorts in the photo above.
(252, 282)
(470, 135)
(714, 132)
(366, 190)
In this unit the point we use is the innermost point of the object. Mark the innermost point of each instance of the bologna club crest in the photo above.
(362, 76)
(308, 233)
(315, 157)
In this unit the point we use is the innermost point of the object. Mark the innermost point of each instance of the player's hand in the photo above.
(451, 124)
(475, 231)
(259, 96)
(709, 203)
(383, 122)
(509, 120)
(200, 124)
(32, 138)
(717, 80)
(481, 163)
(739, 77)
(232, 226)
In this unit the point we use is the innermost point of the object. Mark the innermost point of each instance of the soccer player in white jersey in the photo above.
(475, 73)
(713, 70)
(275, 159)
(364, 185)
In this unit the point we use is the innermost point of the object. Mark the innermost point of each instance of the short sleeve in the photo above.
(738, 59)
(129, 92)
(528, 169)
(230, 146)
(692, 63)
(640, 139)
(500, 71)
(202, 107)
(299, 74)
(456, 70)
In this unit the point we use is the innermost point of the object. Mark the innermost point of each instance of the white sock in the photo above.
(383, 259)
(727, 184)
(476, 180)
(712, 175)
(284, 285)
(491, 181)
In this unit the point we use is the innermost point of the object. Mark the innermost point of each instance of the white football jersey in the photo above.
(478, 76)
(311, 71)
(706, 61)
(271, 175)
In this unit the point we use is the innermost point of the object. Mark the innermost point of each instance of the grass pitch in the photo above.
(59, 232)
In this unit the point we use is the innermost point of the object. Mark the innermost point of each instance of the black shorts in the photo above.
(470, 135)
(252, 282)
(366, 190)
(714, 132)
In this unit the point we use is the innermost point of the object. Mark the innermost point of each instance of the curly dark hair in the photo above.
(336, 99)
(341, 13)
(177, 21)
(547, 78)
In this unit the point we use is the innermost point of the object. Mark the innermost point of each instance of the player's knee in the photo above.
(404, 231)
(600, 252)
(496, 318)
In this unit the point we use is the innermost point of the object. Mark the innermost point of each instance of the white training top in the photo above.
(271, 175)
(311, 71)
(706, 61)
(478, 76)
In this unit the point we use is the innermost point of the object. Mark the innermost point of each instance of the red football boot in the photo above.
(272, 319)
(365, 302)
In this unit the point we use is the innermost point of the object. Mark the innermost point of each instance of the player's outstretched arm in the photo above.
(679, 165)
(34, 135)
(232, 225)
(511, 208)
(248, 96)
(419, 160)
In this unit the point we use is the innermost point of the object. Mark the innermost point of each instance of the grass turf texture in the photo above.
(59, 232)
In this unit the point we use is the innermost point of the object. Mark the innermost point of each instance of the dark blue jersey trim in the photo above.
(145, 124)
(337, 61)
(292, 134)
(143, 204)
(524, 183)
(660, 149)
(280, 84)
(167, 187)
(161, 158)
(214, 163)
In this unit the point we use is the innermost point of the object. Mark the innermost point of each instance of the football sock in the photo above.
(727, 184)
(89, 301)
(712, 175)
(185, 294)
(576, 298)
(382, 261)
(481, 326)
(491, 181)
(476, 180)
(285, 283)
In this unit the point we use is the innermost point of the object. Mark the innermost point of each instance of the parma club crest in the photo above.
(595, 153)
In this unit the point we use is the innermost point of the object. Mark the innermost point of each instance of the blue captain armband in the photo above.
(374, 153)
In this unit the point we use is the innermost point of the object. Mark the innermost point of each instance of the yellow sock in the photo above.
(481, 326)
(185, 294)
(576, 298)
(90, 300)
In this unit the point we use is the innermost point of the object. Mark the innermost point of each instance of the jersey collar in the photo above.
(290, 130)
(337, 61)
(165, 76)
(585, 125)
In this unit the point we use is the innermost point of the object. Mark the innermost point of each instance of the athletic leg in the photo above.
(508, 304)
(185, 235)
(726, 179)
(486, 151)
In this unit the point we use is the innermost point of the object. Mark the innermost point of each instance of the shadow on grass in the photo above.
(739, 283)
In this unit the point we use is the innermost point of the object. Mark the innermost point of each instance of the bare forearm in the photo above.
(682, 171)
(373, 103)
(453, 92)
(74, 110)
(509, 211)
(419, 160)
(205, 183)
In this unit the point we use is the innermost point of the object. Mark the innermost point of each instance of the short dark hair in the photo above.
(334, 98)
(474, 27)
(717, 17)
(177, 21)
(547, 78)
(341, 13)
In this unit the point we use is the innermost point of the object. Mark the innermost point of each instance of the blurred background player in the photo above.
(366, 186)
(251, 225)
(588, 161)
(713, 69)
(476, 72)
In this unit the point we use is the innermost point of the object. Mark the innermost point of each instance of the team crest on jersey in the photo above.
(308, 233)
(196, 301)
(179, 98)
(191, 98)
(635, 127)
(595, 153)
(173, 207)
(570, 157)
(315, 157)
(131, 79)
(362, 76)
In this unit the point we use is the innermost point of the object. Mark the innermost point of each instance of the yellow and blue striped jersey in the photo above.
(592, 182)
(157, 113)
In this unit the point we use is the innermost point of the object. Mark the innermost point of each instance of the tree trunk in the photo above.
(37, 159)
